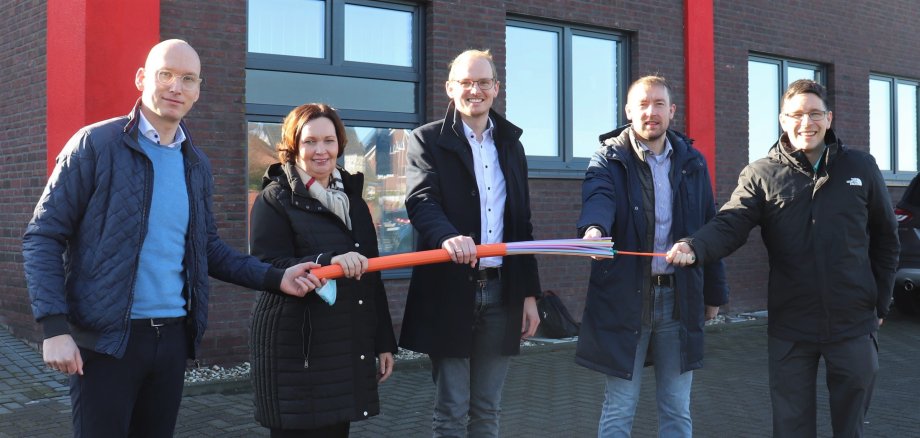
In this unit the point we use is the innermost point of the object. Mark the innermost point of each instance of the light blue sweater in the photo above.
(158, 290)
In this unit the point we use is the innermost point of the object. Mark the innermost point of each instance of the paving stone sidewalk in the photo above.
(546, 395)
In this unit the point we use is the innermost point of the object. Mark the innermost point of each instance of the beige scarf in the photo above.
(332, 197)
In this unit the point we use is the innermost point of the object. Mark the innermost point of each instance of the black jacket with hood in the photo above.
(830, 234)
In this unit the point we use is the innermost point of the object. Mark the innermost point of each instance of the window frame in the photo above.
(893, 174)
(784, 64)
(334, 64)
(565, 165)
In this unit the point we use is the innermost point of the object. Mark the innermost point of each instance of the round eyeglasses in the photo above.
(188, 82)
(483, 84)
(814, 116)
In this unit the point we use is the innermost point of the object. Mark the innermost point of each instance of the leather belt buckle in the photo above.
(666, 280)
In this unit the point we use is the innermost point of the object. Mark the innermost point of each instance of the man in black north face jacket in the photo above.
(831, 235)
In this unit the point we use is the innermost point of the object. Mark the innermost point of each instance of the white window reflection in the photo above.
(287, 27)
(378, 153)
(763, 108)
(907, 127)
(377, 35)
(880, 145)
(768, 79)
(795, 73)
(532, 88)
(594, 92)
(893, 124)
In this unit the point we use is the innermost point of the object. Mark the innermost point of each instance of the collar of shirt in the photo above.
(147, 130)
(643, 151)
(486, 135)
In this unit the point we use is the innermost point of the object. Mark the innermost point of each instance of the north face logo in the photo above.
(854, 181)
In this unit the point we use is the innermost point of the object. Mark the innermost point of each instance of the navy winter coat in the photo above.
(612, 199)
(81, 247)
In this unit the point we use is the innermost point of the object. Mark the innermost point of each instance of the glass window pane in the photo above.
(907, 128)
(288, 27)
(532, 88)
(292, 89)
(594, 92)
(795, 73)
(379, 153)
(379, 36)
(880, 122)
(763, 108)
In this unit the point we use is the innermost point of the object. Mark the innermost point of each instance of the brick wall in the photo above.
(217, 30)
(22, 148)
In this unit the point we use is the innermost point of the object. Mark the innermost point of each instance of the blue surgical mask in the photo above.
(328, 292)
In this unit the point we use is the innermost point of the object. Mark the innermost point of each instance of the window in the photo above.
(576, 78)
(303, 51)
(768, 79)
(893, 124)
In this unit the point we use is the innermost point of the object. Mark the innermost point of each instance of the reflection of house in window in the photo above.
(380, 153)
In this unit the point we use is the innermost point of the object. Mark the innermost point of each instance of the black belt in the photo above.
(489, 274)
(157, 322)
(666, 280)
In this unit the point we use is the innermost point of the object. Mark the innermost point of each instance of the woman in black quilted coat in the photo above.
(317, 360)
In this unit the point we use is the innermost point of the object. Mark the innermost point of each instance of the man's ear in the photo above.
(139, 79)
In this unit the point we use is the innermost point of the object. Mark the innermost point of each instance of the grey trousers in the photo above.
(851, 368)
(469, 390)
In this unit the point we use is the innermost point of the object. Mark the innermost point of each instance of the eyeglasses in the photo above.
(815, 116)
(483, 84)
(187, 82)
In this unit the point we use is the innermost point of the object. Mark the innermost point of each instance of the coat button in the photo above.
(360, 302)
(357, 244)
(473, 193)
(362, 357)
(365, 413)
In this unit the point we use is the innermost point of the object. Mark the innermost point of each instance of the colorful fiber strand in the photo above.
(602, 247)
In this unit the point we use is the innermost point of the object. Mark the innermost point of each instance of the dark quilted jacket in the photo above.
(313, 364)
(82, 246)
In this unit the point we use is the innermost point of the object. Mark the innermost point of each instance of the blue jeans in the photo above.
(672, 387)
(471, 388)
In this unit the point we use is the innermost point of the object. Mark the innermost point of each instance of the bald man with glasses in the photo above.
(118, 253)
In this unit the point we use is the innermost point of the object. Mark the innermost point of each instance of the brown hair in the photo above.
(649, 81)
(804, 86)
(293, 126)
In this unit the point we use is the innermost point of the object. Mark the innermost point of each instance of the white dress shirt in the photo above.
(491, 184)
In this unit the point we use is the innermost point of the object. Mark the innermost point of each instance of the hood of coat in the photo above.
(617, 141)
(782, 152)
